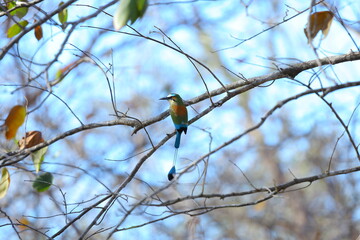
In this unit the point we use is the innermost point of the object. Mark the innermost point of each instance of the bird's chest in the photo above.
(178, 110)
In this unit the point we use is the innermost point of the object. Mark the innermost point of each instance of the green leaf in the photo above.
(16, 29)
(129, 10)
(133, 11)
(11, 5)
(4, 182)
(59, 75)
(63, 15)
(43, 182)
(38, 158)
(141, 6)
(19, 12)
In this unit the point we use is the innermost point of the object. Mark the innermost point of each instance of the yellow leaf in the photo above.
(24, 223)
(260, 206)
(4, 182)
(14, 120)
(319, 21)
(122, 14)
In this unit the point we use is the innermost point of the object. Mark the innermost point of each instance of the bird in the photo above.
(179, 116)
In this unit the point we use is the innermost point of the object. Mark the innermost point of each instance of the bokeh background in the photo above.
(299, 139)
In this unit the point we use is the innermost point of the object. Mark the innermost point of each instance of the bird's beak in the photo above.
(165, 98)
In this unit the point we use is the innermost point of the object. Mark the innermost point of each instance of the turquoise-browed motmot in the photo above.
(179, 117)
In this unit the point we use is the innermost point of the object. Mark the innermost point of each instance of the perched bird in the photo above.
(179, 117)
(178, 114)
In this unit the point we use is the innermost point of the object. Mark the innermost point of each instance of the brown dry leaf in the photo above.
(319, 21)
(38, 32)
(31, 139)
(14, 120)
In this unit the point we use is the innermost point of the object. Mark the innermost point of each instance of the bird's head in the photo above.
(173, 98)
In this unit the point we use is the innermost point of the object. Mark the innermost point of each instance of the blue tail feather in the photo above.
(172, 173)
(177, 140)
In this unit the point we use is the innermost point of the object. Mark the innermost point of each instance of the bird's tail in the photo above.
(175, 156)
(177, 140)
(172, 171)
